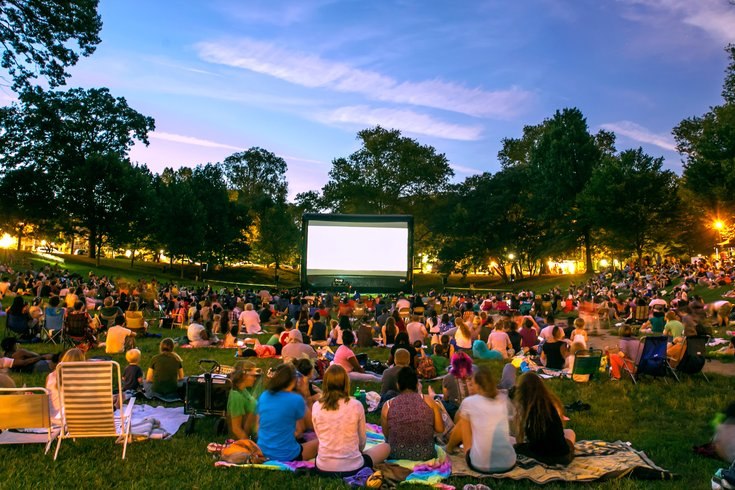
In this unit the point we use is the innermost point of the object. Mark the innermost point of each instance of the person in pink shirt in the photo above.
(346, 358)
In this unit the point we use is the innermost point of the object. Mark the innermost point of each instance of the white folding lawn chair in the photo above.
(88, 403)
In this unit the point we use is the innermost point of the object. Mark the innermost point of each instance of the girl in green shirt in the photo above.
(241, 401)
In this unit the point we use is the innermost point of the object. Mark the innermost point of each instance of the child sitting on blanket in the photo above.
(133, 375)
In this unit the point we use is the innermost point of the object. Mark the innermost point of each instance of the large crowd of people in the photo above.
(430, 336)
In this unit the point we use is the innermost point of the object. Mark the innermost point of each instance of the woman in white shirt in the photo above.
(483, 428)
(339, 424)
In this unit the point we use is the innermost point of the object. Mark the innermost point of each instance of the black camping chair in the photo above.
(653, 361)
(693, 360)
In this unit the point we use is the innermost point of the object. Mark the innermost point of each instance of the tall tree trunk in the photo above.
(73, 238)
(588, 252)
(275, 273)
(93, 242)
(20, 237)
(97, 252)
(181, 270)
(132, 258)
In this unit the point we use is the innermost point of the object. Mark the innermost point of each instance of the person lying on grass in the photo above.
(281, 415)
(482, 426)
(339, 423)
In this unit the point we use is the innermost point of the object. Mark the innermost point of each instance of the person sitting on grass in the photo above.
(499, 341)
(440, 360)
(579, 334)
(480, 350)
(196, 333)
(318, 331)
(165, 376)
(347, 359)
(401, 342)
(296, 348)
(132, 377)
(389, 331)
(280, 418)
(52, 384)
(410, 420)
(482, 427)
(540, 432)
(241, 402)
(555, 350)
(304, 375)
(117, 337)
(339, 424)
(18, 320)
(455, 385)
(134, 319)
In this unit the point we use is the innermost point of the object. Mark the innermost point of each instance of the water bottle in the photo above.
(524, 367)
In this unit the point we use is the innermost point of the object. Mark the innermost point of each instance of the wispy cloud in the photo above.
(190, 140)
(281, 14)
(404, 120)
(715, 17)
(315, 72)
(636, 132)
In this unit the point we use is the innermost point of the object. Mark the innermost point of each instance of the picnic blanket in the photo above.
(594, 460)
(150, 422)
(427, 472)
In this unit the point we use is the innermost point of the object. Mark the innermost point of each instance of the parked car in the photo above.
(81, 251)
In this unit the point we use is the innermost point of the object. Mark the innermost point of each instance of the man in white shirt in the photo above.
(249, 320)
(402, 302)
(116, 335)
(416, 330)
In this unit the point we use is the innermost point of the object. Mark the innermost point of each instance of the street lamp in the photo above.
(718, 225)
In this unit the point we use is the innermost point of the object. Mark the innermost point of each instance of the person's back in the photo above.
(492, 450)
(554, 357)
(134, 320)
(411, 423)
(318, 331)
(297, 350)
(115, 342)
(165, 368)
(338, 448)
(416, 331)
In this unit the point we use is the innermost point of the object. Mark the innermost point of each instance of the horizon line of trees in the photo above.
(65, 171)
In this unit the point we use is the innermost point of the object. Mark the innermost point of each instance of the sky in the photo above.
(301, 78)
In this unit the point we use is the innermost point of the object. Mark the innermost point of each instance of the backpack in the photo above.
(425, 368)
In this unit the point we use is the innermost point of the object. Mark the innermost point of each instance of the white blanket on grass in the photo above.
(155, 422)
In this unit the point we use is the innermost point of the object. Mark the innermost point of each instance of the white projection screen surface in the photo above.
(354, 248)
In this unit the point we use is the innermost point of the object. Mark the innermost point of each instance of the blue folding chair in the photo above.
(653, 361)
(53, 324)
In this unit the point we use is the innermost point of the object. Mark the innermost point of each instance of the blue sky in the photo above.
(301, 78)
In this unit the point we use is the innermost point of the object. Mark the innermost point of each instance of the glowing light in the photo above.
(128, 253)
(425, 259)
(6, 241)
(429, 268)
(718, 224)
(511, 256)
(43, 243)
(604, 263)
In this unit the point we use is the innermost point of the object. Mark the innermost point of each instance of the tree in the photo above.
(561, 164)
(632, 202)
(278, 235)
(258, 176)
(61, 135)
(708, 145)
(390, 173)
(39, 37)
(25, 197)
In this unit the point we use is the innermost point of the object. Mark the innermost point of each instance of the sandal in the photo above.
(375, 480)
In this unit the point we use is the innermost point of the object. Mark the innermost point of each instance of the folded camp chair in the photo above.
(586, 362)
(88, 403)
(53, 324)
(693, 359)
(25, 408)
(653, 360)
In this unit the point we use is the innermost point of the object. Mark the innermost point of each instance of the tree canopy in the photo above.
(41, 38)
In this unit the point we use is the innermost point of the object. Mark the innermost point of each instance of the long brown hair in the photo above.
(485, 382)
(536, 407)
(335, 387)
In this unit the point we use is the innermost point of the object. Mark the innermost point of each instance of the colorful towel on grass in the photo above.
(426, 473)
(594, 460)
